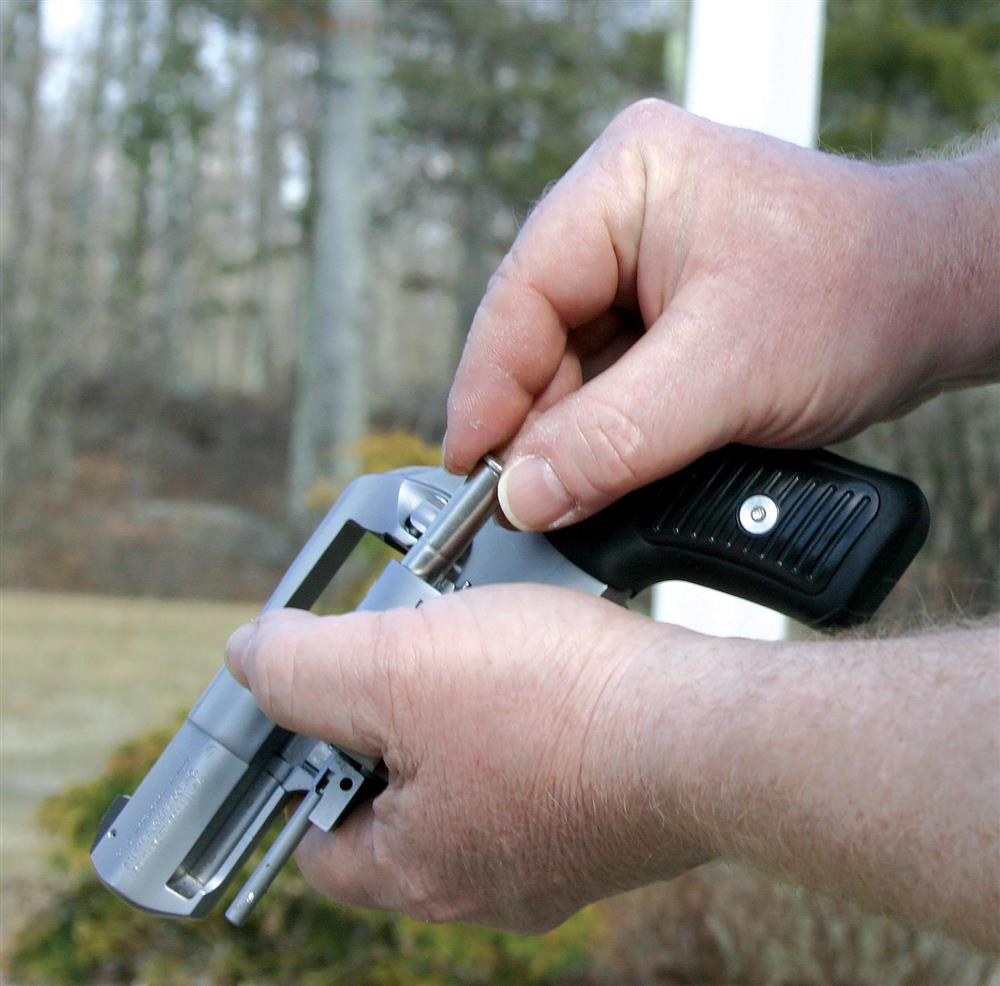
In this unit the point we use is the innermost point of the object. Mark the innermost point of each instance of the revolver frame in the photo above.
(175, 845)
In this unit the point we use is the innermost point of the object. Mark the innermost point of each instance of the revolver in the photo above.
(811, 534)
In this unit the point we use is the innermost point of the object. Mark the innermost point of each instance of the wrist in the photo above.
(687, 699)
(941, 239)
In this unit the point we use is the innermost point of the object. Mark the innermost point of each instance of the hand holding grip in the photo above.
(811, 534)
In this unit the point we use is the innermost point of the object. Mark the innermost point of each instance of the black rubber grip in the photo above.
(810, 534)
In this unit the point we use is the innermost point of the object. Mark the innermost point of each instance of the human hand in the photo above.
(520, 734)
(546, 749)
(715, 285)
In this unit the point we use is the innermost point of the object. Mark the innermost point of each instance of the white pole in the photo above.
(753, 64)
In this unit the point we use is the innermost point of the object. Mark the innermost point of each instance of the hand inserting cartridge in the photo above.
(808, 533)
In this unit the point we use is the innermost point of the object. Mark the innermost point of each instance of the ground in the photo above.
(78, 675)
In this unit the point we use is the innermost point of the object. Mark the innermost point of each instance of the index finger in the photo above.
(572, 261)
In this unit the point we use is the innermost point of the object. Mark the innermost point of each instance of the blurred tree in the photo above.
(22, 73)
(268, 211)
(330, 413)
(139, 129)
(908, 75)
(26, 365)
(177, 196)
(165, 112)
(85, 232)
(181, 97)
(497, 119)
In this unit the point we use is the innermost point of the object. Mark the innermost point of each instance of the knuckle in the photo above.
(380, 647)
(612, 446)
(387, 865)
(384, 651)
(272, 673)
(395, 653)
(511, 277)
(642, 114)
(425, 904)
(415, 888)
(383, 663)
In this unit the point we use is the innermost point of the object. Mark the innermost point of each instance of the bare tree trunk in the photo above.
(225, 365)
(79, 298)
(25, 366)
(127, 309)
(60, 338)
(23, 62)
(268, 213)
(179, 182)
(64, 327)
(331, 411)
(175, 246)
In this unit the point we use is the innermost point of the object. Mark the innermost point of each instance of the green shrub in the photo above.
(87, 935)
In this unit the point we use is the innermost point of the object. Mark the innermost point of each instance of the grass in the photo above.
(78, 675)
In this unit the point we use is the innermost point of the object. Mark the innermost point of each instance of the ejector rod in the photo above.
(270, 865)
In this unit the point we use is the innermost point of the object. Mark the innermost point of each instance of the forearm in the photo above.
(942, 243)
(867, 768)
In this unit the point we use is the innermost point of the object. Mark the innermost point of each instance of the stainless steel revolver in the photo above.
(811, 534)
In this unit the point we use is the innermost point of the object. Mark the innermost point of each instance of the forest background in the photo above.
(241, 244)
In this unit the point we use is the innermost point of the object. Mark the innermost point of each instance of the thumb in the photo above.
(665, 402)
(323, 676)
